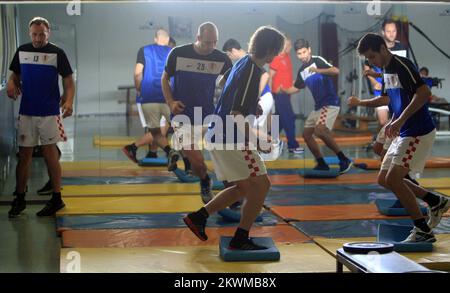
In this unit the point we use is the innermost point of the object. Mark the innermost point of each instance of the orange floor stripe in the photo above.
(432, 162)
(362, 178)
(330, 212)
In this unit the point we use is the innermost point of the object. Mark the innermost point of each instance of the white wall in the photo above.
(109, 35)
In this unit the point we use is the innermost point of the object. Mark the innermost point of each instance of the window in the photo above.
(8, 39)
(2, 47)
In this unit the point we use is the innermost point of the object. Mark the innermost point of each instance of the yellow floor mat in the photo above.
(295, 258)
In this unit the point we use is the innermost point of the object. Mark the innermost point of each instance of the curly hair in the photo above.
(266, 40)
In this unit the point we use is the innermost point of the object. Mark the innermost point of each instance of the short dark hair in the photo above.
(38, 21)
(372, 42)
(161, 31)
(266, 40)
(424, 69)
(300, 44)
(388, 21)
(231, 44)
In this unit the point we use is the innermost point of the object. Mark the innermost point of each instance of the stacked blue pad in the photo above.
(153, 162)
(269, 254)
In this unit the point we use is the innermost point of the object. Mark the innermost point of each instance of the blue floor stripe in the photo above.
(298, 171)
(327, 187)
(87, 222)
(345, 229)
(357, 228)
(118, 180)
(293, 198)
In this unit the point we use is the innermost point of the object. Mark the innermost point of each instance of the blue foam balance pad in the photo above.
(395, 234)
(335, 161)
(311, 173)
(152, 162)
(234, 216)
(269, 254)
(218, 185)
(391, 207)
(185, 178)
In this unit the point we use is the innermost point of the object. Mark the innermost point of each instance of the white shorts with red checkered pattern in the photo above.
(409, 152)
(236, 165)
(37, 130)
(382, 139)
(325, 115)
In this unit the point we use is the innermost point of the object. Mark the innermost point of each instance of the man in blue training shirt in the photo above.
(375, 76)
(315, 73)
(150, 99)
(413, 131)
(195, 69)
(36, 67)
(241, 166)
(266, 102)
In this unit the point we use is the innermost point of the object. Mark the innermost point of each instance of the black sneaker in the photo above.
(130, 151)
(47, 189)
(17, 206)
(206, 192)
(172, 159)
(321, 168)
(51, 208)
(435, 213)
(345, 166)
(151, 155)
(247, 244)
(196, 225)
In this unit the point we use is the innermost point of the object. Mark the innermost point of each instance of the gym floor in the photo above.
(113, 235)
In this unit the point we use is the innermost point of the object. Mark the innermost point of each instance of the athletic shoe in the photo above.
(172, 159)
(17, 206)
(47, 189)
(197, 225)
(206, 192)
(321, 168)
(418, 236)
(51, 208)
(345, 166)
(298, 150)
(247, 244)
(435, 213)
(130, 151)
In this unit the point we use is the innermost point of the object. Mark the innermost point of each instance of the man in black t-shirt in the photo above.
(36, 67)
